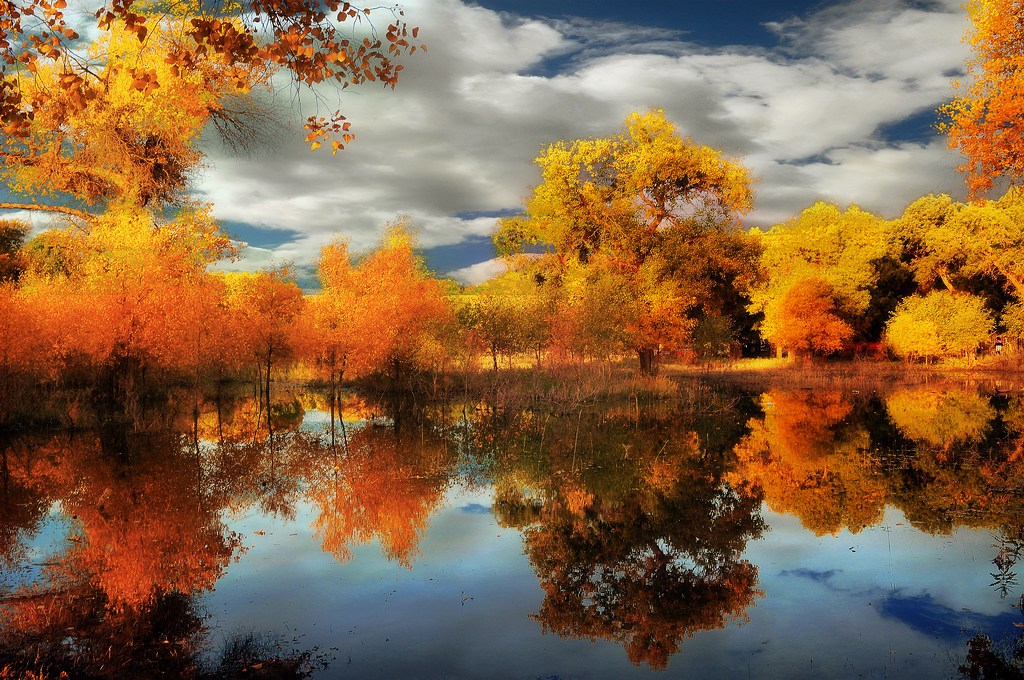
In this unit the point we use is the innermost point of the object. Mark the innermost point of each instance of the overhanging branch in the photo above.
(63, 210)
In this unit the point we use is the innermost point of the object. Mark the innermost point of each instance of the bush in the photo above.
(940, 324)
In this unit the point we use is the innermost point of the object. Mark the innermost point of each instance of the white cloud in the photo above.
(460, 132)
(479, 272)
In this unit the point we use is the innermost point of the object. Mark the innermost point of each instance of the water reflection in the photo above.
(940, 417)
(112, 593)
(628, 523)
(378, 483)
(637, 521)
(812, 460)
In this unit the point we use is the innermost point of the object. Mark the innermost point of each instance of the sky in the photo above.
(830, 101)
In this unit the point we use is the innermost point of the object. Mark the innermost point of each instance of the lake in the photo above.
(781, 532)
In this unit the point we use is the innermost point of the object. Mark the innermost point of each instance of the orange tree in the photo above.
(983, 121)
(615, 202)
(805, 319)
(379, 314)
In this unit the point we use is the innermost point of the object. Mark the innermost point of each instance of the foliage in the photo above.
(379, 314)
(983, 121)
(615, 204)
(840, 252)
(805, 318)
(332, 41)
(809, 460)
(12, 236)
(943, 417)
(939, 324)
(964, 244)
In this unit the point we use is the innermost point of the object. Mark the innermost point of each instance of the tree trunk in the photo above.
(268, 379)
(648, 361)
(944, 277)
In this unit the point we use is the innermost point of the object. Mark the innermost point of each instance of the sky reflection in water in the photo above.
(834, 606)
(475, 584)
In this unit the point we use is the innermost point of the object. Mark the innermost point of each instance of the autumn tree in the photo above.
(128, 297)
(403, 301)
(984, 119)
(939, 324)
(596, 312)
(330, 42)
(843, 253)
(805, 319)
(376, 314)
(118, 137)
(336, 324)
(12, 237)
(614, 203)
(266, 303)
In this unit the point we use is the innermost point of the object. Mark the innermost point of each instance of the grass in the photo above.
(1005, 371)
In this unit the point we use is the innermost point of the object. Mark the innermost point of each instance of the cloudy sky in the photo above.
(822, 100)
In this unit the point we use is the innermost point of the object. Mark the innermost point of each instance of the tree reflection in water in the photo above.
(812, 460)
(628, 523)
(634, 520)
(145, 536)
(379, 482)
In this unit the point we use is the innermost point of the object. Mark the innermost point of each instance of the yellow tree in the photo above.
(614, 202)
(984, 120)
(117, 138)
(314, 42)
(825, 257)
(940, 324)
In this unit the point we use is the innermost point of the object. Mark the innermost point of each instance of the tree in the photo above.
(399, 290)
(984, 120)
(313, 42)
(118, 138)
(267, 303)
(940, 324)
(805, 318)
(613, 202)
(841, 249)
(380, 313)
(126, 296)
(12, 237)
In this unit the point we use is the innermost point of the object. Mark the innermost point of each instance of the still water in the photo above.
(783, 533)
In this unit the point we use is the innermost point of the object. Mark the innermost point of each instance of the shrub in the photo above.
(940, 324)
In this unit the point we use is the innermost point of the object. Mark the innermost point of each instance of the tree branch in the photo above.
(64, 210)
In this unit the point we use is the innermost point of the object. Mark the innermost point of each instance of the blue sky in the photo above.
(821, 100)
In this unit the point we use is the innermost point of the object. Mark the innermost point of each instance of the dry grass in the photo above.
(760, 373)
